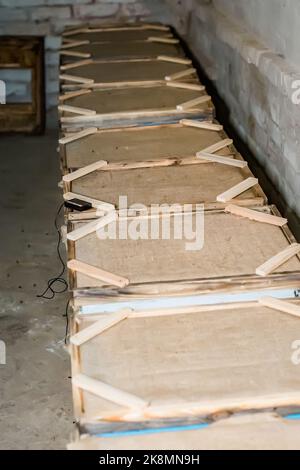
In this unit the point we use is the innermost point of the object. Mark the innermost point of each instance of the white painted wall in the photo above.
(275, 22)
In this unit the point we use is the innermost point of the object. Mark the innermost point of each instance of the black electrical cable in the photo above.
(51, 290)
(66, 315)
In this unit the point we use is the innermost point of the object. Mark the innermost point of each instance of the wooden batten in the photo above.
(175, 60)
(73, 94)
(73, 78)
(78, 135)
(281, 306)
(278, 260)
(209, 126)
(82, 55)
(186, 86)
(76, 110)
(182, 74)
(99, 274)
(107, 392)
(97, 328)
(70, 45)
(163, 40)
(92, 227)
(84, 171)
(193, 103)
(78, 63)
(237, 190)
(256, 215)
(218, 146)
(222, 160)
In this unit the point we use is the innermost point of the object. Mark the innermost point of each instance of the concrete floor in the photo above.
(35, 388)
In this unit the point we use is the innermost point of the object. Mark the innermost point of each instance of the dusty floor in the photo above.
(35, 391)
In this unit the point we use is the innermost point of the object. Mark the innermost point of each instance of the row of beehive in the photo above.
(164, 339)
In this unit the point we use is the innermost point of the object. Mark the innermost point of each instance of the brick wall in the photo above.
(255, 80)
(48, 18)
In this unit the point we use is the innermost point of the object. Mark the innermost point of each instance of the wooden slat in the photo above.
(209, 126)
(107, 392)
(281, 306)
(75, 110)
(98, 328)
(222, 160)
(84, 171)
(186, 86)
(78, 63)
(74, 78)
(163, 40)
(193, 103)
(70, 45)
(78, 135)
(155, 27)
(99, 274)
(183, 73)
(278, 260)
(175, 60)
(92, 227)
(237, 190)
(256, 215)
(218, 146)
(83, 55)
(73, 94)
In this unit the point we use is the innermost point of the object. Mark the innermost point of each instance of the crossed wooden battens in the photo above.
(229, 195)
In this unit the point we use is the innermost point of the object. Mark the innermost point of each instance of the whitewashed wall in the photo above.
(236, 43)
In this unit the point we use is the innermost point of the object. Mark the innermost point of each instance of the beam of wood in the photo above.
(163, 40)
(84, 171)
(272, 264)
(99, 274)
(82, 55)
(256, 215)
(280, 305)
(73, 94)
(183, 73)
(209, 126)
(72, 44)
(237, 190)
(218, 146)
(73, 78)
(223, 160)
(78, 63)
(107, 392)
(99, 327)
(68, 121)
(186, 86)
(105, 206)
(155, 27)
(92, 227)
(78, 135)
(174, 60)
(76, 110)
(193, 103)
